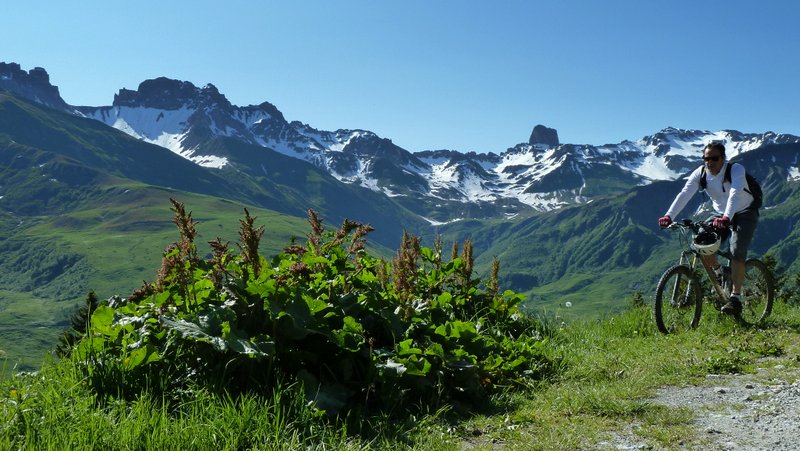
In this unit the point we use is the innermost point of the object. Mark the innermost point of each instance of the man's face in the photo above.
(713, 160)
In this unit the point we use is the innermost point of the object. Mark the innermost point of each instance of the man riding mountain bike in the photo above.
(731, 198)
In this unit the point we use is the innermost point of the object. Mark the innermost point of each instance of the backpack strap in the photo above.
(727, 177)
(703, 182)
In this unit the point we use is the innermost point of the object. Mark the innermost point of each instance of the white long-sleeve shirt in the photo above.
(727, 199)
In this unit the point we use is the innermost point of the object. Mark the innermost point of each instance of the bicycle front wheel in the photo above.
(757, 290)
(679, 301)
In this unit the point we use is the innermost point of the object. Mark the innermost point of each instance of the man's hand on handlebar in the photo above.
(722, 222)
(664, 221)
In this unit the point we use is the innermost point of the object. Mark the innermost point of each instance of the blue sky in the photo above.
(438, 74)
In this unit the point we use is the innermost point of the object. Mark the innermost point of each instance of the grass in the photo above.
(593, 294)
(600, 394)
(28, 323)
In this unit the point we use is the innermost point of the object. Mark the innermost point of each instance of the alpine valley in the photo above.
(84, 197)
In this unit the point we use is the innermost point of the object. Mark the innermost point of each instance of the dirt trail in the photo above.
(759, 411)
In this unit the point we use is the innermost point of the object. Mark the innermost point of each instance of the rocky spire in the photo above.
(544, 135)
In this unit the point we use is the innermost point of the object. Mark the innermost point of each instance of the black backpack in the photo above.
(753, 187)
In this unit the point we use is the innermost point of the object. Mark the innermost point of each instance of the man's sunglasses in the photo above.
(715, 158)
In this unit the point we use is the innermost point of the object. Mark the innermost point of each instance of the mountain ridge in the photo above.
(541, 174)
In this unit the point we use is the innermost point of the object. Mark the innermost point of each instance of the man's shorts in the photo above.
(744, 225)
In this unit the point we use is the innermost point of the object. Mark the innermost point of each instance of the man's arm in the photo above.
(689, 189)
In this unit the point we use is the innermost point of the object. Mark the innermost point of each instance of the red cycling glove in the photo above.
(722, 222)
(664, 222)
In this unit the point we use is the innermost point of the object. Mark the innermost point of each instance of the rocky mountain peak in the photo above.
(544, 135)
(168, 94)
(33, 85)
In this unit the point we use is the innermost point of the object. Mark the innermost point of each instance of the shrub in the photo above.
(356, 331)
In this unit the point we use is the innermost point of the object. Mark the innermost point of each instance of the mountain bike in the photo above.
(679, 295)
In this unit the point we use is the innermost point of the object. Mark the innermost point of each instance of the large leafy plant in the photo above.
(355, 330)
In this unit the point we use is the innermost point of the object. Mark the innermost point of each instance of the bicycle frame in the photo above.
(689, 257)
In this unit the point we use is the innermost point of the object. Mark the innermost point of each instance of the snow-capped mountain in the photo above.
(542, 173)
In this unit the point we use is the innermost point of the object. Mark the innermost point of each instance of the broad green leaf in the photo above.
(203, 288)
(141, 356)
(368, 277)
(406, 348)
(435, 349)
(457, 330)
(427, 254)
(444, 299)
(260, 349)
(315, 305)
(102, 320)
(263, 290)
(191, 330)
(162, 297)
(351, 336)
(352, 325)
(417, 366)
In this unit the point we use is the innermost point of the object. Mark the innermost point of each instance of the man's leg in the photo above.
(744, 226)
(737, 275)
(710, 261)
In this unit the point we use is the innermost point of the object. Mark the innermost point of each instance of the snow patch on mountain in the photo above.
(331, 142)
(374, 185)
(439, 223)
(209, 161)
(249, 119)
(165, 128)
(160, 127)
(653, 168)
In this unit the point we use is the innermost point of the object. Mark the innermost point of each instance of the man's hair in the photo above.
(715, 145)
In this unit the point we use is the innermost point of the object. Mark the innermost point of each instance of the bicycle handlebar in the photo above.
(695, 227)
(685, 224)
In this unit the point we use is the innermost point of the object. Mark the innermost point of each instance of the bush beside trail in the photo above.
(354, 331)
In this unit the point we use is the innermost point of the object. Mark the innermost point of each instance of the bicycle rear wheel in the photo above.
(757, 289)
(678, 302)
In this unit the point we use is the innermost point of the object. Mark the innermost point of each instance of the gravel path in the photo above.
(759, 411)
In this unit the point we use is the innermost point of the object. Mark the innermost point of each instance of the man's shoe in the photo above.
(733, 307)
